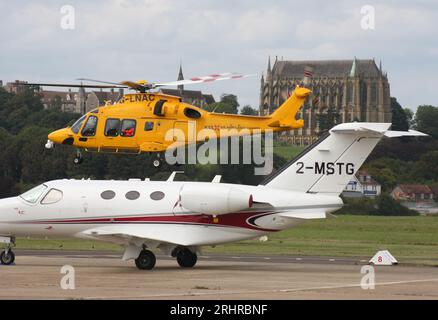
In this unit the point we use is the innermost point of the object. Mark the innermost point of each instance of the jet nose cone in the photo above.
(58, 136)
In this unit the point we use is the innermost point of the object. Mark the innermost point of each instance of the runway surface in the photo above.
(103, 275)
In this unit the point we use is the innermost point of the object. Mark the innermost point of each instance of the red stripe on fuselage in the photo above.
(240, 220)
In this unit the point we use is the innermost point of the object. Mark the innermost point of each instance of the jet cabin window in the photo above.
(89, 129)
(34, 194)
(77, 125)
(128, 128)
(108, 194)
(112, 127)
(53, 196)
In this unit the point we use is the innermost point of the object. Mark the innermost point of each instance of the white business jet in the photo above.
(180, 217)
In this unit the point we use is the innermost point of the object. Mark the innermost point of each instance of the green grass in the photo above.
(287, 151)
(409, 239)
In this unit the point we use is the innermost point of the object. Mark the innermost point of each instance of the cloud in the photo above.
(137, 39)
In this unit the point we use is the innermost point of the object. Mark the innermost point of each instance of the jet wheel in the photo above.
(7, 258)
(146, 260)
(186, 258)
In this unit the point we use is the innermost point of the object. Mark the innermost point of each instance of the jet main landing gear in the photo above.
(7, 257)
(185, 257)
(146, 260)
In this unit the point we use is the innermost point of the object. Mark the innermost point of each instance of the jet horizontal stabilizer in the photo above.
(410, 133)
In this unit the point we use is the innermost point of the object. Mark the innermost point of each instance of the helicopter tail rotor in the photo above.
(203, 79)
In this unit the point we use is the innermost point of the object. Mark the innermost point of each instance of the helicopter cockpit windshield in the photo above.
(78, 124)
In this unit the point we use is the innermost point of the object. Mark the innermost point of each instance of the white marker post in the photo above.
(383, 258)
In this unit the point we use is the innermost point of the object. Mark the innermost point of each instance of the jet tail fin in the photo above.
(285, 115)
(328, 165)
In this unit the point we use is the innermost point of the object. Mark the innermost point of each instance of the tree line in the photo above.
(24, 162)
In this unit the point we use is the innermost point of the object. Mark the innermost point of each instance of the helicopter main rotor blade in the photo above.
(209, 78)
(68, 85)
(99, 81)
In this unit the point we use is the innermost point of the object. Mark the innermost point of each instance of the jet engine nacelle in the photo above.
(215, 200)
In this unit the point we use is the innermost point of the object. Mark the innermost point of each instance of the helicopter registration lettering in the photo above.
(140, 97)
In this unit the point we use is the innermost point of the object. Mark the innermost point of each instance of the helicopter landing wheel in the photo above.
(78, 159)
(157, 162)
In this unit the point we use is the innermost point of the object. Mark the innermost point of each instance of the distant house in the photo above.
(99, 98)
(434, 188)
(78, 102)
(65, 101)
(412, 192)
(417, 197)
(362, 185)
(15, 87)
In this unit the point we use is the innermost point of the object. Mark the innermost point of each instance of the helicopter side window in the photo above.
(89, 129)
(149, 126)
(78, 124)
(128, 128)
(112, 127)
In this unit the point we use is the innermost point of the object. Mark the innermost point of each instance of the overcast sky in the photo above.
(146, 39)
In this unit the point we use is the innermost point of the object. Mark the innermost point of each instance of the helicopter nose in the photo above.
(59, 136)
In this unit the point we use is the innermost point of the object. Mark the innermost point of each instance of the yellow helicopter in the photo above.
(143, 121)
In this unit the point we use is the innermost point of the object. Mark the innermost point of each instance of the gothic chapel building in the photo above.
(357, 89)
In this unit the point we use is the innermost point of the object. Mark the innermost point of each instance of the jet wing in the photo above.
(181, 234)
(303, 215)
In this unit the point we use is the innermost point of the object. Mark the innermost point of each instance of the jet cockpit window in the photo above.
(112, 127)
(90, 127)
(78, 124)
(53, 196)
(128, 128)
(34, 194)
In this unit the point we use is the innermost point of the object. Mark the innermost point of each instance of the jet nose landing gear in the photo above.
(7, 257)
